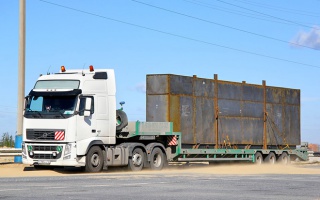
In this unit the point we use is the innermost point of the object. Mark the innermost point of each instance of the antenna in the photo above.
(48, 70)
(83, 69)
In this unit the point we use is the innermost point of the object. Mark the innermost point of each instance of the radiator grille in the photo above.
(41, 134)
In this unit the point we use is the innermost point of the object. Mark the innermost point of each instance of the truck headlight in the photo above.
(67, 151)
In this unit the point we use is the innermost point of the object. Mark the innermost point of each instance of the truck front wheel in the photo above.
(94, 160)
(137, 160)
(157, 159)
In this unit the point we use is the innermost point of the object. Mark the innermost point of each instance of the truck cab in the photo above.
(66, 113)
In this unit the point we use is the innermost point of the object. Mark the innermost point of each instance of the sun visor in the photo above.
(73, 92)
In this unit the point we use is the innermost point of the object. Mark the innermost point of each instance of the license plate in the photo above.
(44, 162)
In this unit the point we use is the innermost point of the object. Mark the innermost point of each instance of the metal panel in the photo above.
(275, 124)
(292, 96)
(204, 88)
(252, 109)
(274, 95)
(253, 132)
(230, 130)
(229, 108)
(157, 108)
(157, 84)
(181, 85)
(228, 90)
(252, 93)
(174, 112)
(292, 128)
(204, 121)
(187, 123)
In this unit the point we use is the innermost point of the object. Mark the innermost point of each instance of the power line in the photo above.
(181, 36)
(293, 22)
(293, 11)
(225, 26)
(249, 15)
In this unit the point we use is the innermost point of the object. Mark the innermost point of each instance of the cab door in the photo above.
(86, 123)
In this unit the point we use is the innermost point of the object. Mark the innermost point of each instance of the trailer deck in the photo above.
(163, 132)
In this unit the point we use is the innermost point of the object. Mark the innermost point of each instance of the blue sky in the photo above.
(251, 40)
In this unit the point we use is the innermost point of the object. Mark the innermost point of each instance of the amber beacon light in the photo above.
(91, 68)
(63, 69)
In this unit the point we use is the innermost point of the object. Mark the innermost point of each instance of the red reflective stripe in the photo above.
(59, 135)
(172, 140)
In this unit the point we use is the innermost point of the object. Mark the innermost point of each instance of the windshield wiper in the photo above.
(34, 111)
(58, 111)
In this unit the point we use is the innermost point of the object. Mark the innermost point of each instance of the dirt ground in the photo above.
(10, 169)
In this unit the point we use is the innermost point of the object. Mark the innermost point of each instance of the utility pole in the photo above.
(21, 74)
(21, 64)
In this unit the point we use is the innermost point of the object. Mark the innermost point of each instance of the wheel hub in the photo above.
(137, 159)
(95, 161)
(157, 160)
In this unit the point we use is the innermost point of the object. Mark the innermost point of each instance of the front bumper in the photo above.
(51, 154)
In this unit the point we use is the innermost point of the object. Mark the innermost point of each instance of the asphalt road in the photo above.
(162, 186)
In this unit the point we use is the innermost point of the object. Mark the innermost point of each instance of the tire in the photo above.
(258, 158)
(137, 160)
(271, 158)
(94, 160)
(121, 120)
(157, 159)
(283, 159)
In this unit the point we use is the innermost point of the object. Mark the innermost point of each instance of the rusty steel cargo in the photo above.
(229, 117)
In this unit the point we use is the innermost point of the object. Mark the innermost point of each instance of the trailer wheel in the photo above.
(137, 160)
(271, 158)
(94, 160)
(121, 121)
(157, 159)
(258, 158)
(283, 159)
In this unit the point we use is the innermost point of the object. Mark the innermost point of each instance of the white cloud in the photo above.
(141, 87)
(310, 39)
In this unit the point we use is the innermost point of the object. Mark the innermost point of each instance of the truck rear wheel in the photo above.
(271, 158)
(137, 160)
(283, 159)
(258, 158)
(157, 159)
(94, 160)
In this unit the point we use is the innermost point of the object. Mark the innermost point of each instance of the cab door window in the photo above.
(82, 105)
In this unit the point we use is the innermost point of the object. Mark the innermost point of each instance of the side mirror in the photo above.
(26, 100)
(87, 109)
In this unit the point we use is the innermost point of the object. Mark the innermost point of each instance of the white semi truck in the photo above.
(70, 119)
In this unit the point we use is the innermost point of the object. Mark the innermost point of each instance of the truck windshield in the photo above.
(50, 106)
